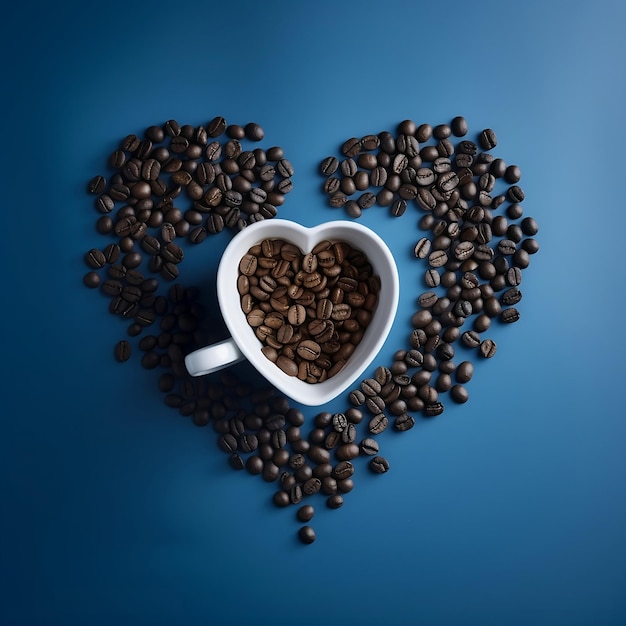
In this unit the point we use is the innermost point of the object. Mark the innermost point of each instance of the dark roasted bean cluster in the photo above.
(309, 310)
(176, 185)
(474, 256)
(474, 260)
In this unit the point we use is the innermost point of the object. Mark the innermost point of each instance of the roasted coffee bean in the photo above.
(343, 470)
(378, 424)
(464, 372)
(168, 233)
(311, 486)
(97, 185)
(511, 296)
(379, 465)
(422, 248)
(432, 410)
(515, 194)
(270, 472)
(488, 139)
(254, 464)
(404, 422)
(348, 435)
(357, 397)
(375, 404)
(329, 166)
(471, 339)
(370, 387)
(228, 443)
(339, 422)
(459, 126)
(306, 534)
(514, 277)
(369, 446)
(488, 348)
(334, 501)
(347, 452)
(281, 498)
(510, 315)
(95, 258)
(91, 279)
(305, 513)
(459, 394)
(122, 351)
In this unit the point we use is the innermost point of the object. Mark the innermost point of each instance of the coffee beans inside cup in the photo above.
(309, 310)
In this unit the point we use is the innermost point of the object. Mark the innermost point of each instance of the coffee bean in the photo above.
(459, 394)
(91, 280)
(488, 139)
(379, 465)
(281, 498)
(515, 194)
(510, 315)
(349, 434)
(488, 348)
(329, 166)
(471, 339)
(369, 446)
(347, 452)
(459, 126)
(432, 410)
(334, 501)
(305, 513)
(122, 351)
(404, 422)
(513, 276)
(311, 486)
(378, 424)
(464, 372)
(95, 258)
(343, 470)
(306, 534)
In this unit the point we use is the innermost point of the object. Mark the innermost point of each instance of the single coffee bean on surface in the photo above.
(379, 465)
(305, 513)
(122, 351)
(306, 534)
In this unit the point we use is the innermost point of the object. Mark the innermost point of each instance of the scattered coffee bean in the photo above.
(306, 535)
(305, 513)
(379, 465)
(91, 280)
(369, 446)
(459, 394)
(334, 501)
(122, 351)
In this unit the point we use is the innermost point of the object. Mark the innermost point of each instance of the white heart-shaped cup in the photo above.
(243, 343)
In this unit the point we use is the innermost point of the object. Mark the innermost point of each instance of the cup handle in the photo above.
(213, 358)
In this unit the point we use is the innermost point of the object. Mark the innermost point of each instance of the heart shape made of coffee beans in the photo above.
(187, 182)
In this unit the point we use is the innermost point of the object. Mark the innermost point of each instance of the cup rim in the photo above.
(305, 238)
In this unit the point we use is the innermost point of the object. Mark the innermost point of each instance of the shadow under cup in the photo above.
(245, 344)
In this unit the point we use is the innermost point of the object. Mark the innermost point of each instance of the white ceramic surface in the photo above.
(244, 343)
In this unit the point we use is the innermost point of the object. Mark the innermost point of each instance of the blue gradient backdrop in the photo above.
(509, 510)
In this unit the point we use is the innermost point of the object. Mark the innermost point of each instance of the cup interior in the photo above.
(358, 236)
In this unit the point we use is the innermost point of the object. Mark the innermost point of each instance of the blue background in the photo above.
(510, 509)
